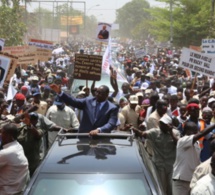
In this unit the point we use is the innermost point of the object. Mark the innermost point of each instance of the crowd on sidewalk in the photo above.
(173, 112)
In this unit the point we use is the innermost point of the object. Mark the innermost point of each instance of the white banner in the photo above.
(197, 62)
(4, 67)
(208, 46)
(2, 41)
(139, 53)
(107, 61)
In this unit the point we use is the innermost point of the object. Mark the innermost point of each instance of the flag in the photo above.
(152, 68)
(11, 90)
(107, 62)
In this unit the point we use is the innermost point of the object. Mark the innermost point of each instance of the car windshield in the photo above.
(90, 184)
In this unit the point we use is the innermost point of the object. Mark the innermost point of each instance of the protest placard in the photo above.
(208, 46)
(139, 53)
(12, 66)
(103, 32)
(43, 54)
(41, 44)
(29, 58)
(88, 67)
(19, 50)
(2, 41)
(197, 62)
(4, 67)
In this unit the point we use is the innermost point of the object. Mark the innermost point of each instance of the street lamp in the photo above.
(92, 7)
(171, 23)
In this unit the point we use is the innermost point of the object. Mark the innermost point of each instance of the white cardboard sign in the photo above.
(197, 62)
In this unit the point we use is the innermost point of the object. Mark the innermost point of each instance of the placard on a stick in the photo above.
(88, 67)
(197, 62)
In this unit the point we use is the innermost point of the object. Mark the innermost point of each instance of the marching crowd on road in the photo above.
(173, 111)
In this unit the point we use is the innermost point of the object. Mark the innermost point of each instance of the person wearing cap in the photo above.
(34, 84)
(193, 112)
(42, 105)
(20, 103)
(207, 115)
(13, 162)
(24, 91)
(130, 114)
(204, 168)
(187, 157)
(46, 93)
(163, 141)
(99, 115)
(210, 102)
(61, 115)
(30, 137)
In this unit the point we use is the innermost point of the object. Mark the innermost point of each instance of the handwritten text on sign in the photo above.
(197, 62)
(87, 67)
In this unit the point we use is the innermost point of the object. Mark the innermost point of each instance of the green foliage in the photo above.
(191, 22)
(131, 18)
(12, 29)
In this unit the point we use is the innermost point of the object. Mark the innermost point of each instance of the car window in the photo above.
(95, 184)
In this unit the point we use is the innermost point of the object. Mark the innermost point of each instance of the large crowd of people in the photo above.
(172, 109)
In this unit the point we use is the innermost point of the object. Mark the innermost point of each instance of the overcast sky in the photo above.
(104, 10)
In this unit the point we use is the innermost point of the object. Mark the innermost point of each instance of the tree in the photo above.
(190, 22)
(12, 28)
(131, 18)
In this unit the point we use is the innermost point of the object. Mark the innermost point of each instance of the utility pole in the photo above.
(171, 23)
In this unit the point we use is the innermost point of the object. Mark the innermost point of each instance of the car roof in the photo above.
(90, 156)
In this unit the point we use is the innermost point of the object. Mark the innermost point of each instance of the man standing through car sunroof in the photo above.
(99, 115)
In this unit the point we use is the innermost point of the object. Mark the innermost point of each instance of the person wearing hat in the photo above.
(24, 91)
(13, 162)
(163, 141)
(207, 115)
(30, 137)
(42, 105)
(61, 115)
(187, 157)
(130, 114)
(193, 113)
(20, 103)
